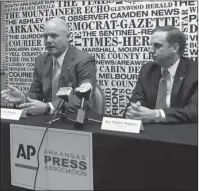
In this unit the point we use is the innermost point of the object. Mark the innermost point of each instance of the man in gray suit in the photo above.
(62, 66)
(167, 88)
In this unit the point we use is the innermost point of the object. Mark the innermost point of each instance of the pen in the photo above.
(52, 121)
(94, 120)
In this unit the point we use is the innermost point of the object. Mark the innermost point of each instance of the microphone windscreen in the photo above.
(84, 87)
(84, 91)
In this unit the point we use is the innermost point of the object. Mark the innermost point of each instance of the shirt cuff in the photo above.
(52, 109)
(162, 116)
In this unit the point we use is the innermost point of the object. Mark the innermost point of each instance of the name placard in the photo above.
(12, 114)
(124, 125)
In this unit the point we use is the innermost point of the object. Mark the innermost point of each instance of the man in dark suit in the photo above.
(167, 89)
(62, 66)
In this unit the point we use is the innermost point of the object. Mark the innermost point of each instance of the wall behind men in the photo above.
(116, 33)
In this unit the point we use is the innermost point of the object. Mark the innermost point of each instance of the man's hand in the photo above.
(136, 111)
(13, 95)
(34, 107)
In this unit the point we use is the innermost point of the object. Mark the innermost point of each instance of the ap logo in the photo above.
(26, 151)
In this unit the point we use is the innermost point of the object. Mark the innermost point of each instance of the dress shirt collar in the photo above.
(172, 69)
(60, 59)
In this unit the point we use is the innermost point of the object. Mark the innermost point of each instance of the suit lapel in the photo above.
(178, 79)
(47, 77)
(66, 71)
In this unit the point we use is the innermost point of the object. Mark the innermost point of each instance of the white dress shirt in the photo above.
(60, 59)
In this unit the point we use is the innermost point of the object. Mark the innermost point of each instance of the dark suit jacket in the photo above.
(184, 95)
(78, 67)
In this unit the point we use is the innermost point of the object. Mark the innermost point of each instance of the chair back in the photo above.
(100, 100)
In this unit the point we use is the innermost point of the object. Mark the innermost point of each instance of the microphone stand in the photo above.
(82, 103)
(56, 112)
(62, 115)
(80, 115)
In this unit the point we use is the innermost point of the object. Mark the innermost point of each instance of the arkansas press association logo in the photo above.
(63, 162)
(57, 161)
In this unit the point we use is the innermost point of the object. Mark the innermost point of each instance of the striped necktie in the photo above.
(55, 79)
(163, 90)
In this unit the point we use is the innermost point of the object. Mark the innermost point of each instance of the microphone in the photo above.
(84, 93)
(64, 93)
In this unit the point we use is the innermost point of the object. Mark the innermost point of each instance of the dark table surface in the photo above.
(162, 157)
(171, 133)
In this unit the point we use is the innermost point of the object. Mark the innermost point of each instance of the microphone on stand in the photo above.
(84, 93)
(64, 93)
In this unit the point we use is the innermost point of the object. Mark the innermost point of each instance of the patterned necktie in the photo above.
(55, 79)
(163, 89)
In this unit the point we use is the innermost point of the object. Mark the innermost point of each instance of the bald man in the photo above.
(73, 67)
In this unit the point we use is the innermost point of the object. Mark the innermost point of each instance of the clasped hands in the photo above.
(32, 106)
(136, 111)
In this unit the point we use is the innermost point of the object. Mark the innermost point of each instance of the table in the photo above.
(163, 157)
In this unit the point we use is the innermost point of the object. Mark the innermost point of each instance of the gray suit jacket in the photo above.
(78, 67)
